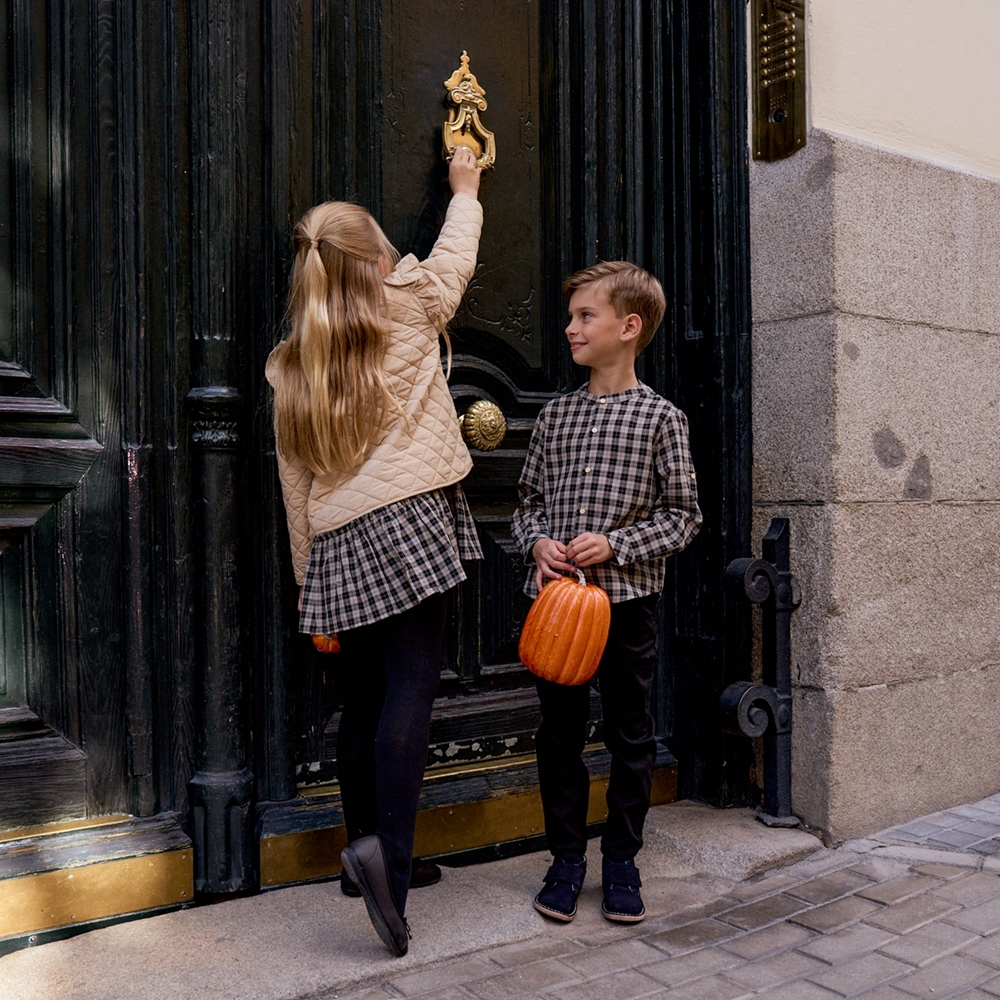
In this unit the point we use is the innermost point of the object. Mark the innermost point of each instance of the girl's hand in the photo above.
(463, 174)
(589, 549)
(300, 599)
(549, 557)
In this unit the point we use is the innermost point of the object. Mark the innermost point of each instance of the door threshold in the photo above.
(444, 773)
(94, 871)
(467, 812)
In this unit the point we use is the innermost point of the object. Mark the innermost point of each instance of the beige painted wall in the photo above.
(918, 76)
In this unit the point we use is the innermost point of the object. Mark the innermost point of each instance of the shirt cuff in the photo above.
(529, 559)
(620, 546)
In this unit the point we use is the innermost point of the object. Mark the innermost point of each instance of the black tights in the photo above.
(391, 671)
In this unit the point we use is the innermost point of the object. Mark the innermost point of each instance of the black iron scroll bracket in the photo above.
(765, 709)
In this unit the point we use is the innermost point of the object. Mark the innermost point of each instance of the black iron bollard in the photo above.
(221, 790)
(766, 709)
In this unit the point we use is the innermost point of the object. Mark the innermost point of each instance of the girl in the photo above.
(370, 458)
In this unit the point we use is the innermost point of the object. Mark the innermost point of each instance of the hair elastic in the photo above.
(314, 244)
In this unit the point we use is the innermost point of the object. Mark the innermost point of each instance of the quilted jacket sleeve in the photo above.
(442, 277)
(296, 482)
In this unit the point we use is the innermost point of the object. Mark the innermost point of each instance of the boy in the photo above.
(608, 485)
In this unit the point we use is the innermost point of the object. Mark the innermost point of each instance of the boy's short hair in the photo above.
(629, 289)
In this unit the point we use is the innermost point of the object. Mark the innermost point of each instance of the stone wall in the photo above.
(876, 299)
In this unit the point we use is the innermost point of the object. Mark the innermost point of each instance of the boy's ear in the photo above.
(633, 327)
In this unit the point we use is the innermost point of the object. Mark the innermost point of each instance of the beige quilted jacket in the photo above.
(425, 451)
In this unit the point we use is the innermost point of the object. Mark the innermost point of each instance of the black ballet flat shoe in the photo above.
(563, 882)
(364, 862)
(622, 902)
(348, 886)
(424, 873)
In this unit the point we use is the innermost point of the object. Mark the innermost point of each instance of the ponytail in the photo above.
(333, 401)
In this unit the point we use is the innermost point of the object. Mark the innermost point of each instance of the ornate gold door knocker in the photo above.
(463, 127)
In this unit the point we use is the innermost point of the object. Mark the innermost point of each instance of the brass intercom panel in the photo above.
(779, 78)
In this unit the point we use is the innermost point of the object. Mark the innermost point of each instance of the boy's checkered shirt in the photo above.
(618, 465)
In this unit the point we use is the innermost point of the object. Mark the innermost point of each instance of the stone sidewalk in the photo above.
(735, 910)
(912, 912)
(310, 940)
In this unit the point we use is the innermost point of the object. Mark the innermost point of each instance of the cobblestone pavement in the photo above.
(911, 912)
(969, 828)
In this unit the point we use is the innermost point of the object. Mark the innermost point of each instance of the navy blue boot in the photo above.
(622, 902)
(563, 882)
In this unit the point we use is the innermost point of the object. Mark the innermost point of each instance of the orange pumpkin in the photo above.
(566, 631)
(327, 643)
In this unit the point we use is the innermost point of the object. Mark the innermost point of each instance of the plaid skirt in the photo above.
(388, 560)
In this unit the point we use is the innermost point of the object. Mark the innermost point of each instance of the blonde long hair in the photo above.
(333, 402)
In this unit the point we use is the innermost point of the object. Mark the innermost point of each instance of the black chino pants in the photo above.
(626, 681)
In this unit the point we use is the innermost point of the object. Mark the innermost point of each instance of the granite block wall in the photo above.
(876, 298)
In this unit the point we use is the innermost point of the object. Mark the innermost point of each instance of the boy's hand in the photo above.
(549, 556)
(463, 174)
(589, 549)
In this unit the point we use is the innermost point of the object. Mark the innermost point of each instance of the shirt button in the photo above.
(583, 510)
(602, 400)
(593, 430)
(587, 469)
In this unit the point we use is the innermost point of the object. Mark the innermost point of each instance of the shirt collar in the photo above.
(635, 390)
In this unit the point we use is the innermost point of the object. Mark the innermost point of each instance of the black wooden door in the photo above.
(153, 160)
(487, 704)
(602, 150)
(507, 335)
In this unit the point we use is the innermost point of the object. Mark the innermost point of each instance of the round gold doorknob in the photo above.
(483, 425)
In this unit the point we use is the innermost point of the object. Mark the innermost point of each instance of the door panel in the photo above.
(421, 46)
(497, 334)
(47, 446)
(620, 133)
(502, 604)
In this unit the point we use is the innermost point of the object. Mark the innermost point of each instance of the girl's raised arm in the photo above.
(442, 277)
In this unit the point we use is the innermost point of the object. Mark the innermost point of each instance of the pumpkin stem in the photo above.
(583, 579)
